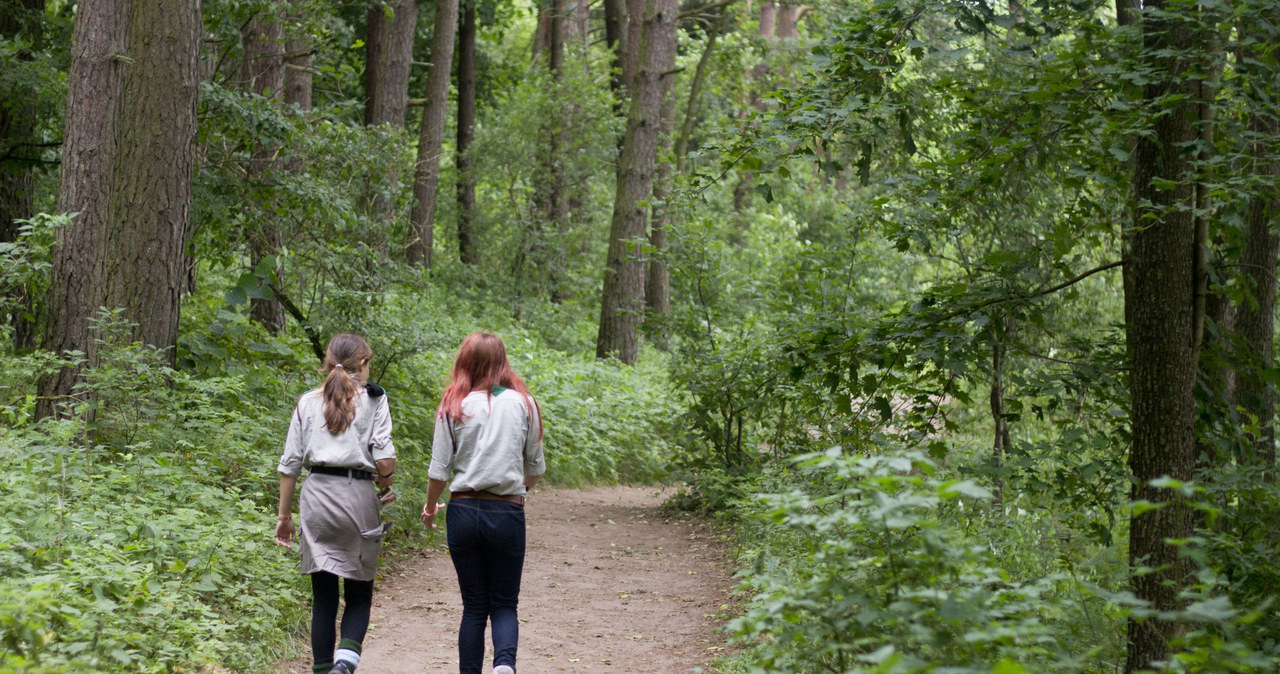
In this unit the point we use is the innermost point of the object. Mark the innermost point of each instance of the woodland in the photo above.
(958, 315)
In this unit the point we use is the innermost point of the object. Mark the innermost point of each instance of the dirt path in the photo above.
(609, 584)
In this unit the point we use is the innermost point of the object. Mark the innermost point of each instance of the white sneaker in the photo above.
(503, 669)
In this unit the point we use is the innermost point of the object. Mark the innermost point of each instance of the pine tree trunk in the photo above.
(468, 251)
(426, 178)
(299, 58)
(1255, 317)
(1159, 306)
(151, 182)
(622, 302)
(615, 38)
(768, 19)
(657, 278)
(390, 99)
(95, 87)
(374, 32)
(263, 73)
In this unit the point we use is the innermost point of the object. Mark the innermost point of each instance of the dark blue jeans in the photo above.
(486, 542)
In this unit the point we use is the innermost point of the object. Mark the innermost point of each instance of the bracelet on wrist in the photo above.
(284, 518)
(387, 476)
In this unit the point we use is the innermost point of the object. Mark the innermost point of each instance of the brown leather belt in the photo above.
(488, 496)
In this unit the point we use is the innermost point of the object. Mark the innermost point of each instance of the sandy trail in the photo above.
(610, 584)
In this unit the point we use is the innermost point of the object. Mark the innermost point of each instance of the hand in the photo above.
(284, 533)
(386, 497)
(383, 483)
(429, 511)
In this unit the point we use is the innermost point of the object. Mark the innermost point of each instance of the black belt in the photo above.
(343, 472)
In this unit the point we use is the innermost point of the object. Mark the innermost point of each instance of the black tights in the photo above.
(324, 611)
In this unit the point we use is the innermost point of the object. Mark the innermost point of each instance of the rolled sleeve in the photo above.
(442, 450)
(380, 445)
(534, 459)
(291, 460)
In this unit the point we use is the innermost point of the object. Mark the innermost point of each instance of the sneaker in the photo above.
(503, 669)
(340, 668)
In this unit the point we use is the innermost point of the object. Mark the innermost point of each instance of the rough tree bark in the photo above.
(151, 186)
(374, 31)
(1255, 322)
(299, 57)
(657, 278)
(263, 73)
(622, 302)
(468, 251)
(426, 178)
(615, 38)
(768, 19)
(95, 86)
(390, 96)
(1160, 300)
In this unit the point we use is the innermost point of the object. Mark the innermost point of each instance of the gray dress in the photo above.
(341, 529)
(341, 526)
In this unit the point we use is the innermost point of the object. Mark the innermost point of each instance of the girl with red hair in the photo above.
(488, 441)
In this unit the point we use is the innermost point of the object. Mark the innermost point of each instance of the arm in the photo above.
(529, 481)
(386, 472)
(435, 488)
(284, 512)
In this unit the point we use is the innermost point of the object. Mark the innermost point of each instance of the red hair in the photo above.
(482, 364)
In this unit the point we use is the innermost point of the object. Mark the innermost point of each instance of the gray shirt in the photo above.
(493, 448)
(365, 441)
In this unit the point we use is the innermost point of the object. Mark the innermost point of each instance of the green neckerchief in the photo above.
(497, 390)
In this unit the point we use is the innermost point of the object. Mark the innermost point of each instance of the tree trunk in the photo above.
(622, 302)
(615, 38)
(151, 186)
(299, 59)
(468, 251)
(95, 86)
(557, 205)
(768, 19)
(1000, 442)
(1255, 323)
(390, 98)
(695, 89)
(20, 23)
(789, 21)
(631, 53)
(427, 168)
(1160, 300)
(374, 32)
(657, 278)
(263, 73)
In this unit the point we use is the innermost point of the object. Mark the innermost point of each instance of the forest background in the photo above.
(959, 313)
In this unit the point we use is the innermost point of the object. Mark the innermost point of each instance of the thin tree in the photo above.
(426, 178)
(622, 301)
(95, 87)
(263, 73)
(615, 38)
(468, 251)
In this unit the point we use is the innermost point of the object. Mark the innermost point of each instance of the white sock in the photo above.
(348, 656)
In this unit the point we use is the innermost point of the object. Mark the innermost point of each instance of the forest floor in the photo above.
(612, 582)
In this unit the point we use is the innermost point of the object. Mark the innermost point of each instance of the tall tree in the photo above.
(299, 57)
(615, 38)
(468, 251)
(622, 302)
(389, 99)
(20, 25)
(374, 31)
(95, 86)
(426, 177)
(1160, 306)
(151, 180)
(263, 73)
